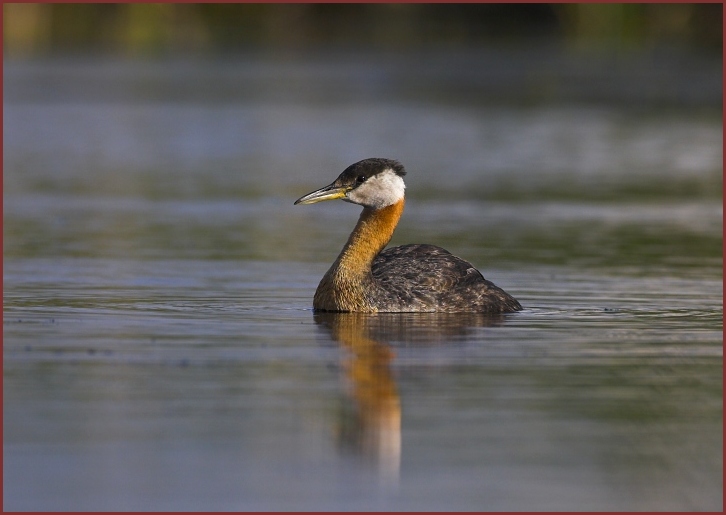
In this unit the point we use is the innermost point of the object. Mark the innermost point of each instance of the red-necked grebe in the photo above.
(400, 279)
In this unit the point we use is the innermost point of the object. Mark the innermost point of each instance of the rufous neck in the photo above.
(371, 234)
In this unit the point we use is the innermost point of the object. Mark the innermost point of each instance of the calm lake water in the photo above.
(160, 351)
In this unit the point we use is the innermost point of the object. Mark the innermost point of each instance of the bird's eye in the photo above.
(360, 179)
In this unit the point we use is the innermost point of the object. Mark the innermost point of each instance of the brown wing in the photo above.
(428, 278)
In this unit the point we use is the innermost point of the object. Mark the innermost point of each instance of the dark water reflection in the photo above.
(636, 404)
(372, 428)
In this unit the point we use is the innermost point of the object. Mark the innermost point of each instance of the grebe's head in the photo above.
(373, 182)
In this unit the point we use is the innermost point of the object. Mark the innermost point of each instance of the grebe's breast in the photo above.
(422, 277)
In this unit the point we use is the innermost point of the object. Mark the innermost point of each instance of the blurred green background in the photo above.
(163, 29)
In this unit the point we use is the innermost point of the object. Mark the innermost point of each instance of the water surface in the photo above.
(160, 351)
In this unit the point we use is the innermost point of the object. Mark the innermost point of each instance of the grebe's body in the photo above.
(366, 278)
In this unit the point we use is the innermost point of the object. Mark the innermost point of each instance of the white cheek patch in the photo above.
(381, 190)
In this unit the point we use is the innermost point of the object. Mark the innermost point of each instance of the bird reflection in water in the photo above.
(370, 423)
